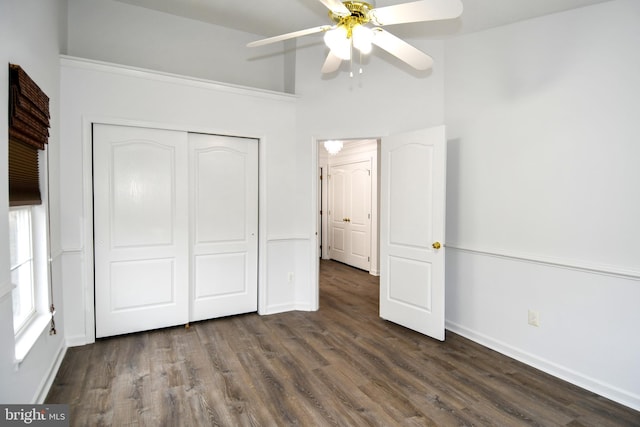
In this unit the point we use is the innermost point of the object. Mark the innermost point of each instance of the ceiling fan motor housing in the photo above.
(359, 15)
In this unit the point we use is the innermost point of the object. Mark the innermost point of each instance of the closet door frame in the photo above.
(87, 253)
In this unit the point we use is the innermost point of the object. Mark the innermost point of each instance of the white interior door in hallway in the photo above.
(175, 218)
(350, 213)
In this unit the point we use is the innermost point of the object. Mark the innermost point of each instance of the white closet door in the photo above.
(141, 223)
(224, 226)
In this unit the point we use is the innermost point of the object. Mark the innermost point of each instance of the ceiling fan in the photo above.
(357, 25)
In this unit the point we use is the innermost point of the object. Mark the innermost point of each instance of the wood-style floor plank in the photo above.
(339, 366)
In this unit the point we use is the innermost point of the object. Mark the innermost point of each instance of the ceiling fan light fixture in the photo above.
(335, 36)
(333, 147)
(362, 37)
(339, 43)
(343, 50)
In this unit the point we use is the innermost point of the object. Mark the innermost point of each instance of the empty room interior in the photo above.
(321, 212)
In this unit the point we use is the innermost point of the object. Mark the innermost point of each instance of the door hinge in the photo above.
(320, 211)
(368, 259)
(368, 216)
(369, 172)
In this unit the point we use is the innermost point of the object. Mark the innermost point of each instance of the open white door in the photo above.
(412, 208)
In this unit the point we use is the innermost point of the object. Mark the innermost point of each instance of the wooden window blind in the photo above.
(28, 133)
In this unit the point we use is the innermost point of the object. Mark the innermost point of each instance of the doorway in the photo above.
(411, 228)
(348, 200)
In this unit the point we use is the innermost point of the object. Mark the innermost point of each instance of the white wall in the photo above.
(31, 35)
(99, 92)
(112, 31)
(544, 195)
(388, 97)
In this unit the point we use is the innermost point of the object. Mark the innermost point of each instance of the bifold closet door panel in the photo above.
(141, 239)
(223, 193)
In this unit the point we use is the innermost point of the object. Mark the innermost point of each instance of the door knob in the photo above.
(436, 245)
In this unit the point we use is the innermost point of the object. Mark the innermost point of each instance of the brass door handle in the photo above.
(346, 220)
(436, 245)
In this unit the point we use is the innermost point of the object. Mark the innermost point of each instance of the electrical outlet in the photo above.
(534, 318)
(290, 276)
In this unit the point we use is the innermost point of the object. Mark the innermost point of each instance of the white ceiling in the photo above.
(270, 18)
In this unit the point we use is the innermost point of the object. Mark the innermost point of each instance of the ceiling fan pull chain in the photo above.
(351, 58)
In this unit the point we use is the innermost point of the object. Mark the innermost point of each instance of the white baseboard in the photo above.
(279, 308)
(303, 306)
(45, 386)
(294, 306)
(77, 341)
(610, 392)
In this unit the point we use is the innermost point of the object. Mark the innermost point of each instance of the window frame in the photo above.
(38, 321)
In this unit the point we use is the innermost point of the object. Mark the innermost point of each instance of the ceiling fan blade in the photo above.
(336, 7)
(417, 11)
(331, 64)
(401, 49)
(290, 35)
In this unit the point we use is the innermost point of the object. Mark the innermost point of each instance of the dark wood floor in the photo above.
(342, 365)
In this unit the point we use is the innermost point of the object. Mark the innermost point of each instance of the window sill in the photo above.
(27, 339)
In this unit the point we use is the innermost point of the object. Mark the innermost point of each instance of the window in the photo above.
(29, 275)
(28, 138)
(21, 266)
